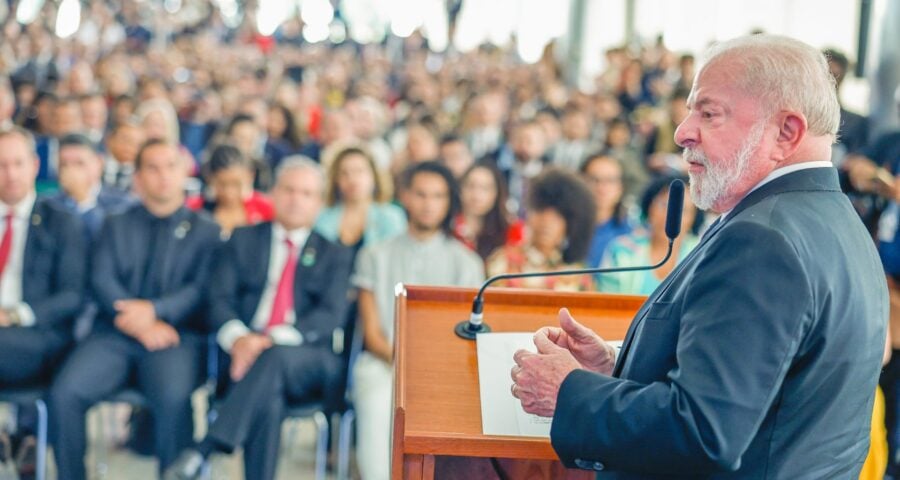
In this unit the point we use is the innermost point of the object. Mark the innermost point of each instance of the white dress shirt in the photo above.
(283, 334)
(11, 280)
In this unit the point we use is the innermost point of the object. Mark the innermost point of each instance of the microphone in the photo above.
(468, 329)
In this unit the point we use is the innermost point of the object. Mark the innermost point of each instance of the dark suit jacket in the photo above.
(53, 274)
(756, 358)
(110, 200)
(120, 256)
(320, 289)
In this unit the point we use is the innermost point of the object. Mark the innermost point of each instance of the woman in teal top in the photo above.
(358, 210)
(648, 245)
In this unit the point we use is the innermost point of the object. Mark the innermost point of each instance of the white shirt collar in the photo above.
(297, 236)
(780, 172)
(22, 209)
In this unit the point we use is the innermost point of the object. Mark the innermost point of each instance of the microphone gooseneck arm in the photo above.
(468, 329)
(478, 303)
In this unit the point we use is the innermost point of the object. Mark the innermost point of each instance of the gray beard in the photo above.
(718, 178)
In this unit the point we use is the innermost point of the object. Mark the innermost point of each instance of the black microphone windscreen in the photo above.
(675, 209)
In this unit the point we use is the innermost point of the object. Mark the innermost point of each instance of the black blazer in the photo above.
(54, 269)
(120, 256)
(320, 289)
(756, 358)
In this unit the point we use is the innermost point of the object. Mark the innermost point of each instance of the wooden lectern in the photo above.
(437, 406)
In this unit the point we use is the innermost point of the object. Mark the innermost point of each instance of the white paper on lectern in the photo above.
(501, 413)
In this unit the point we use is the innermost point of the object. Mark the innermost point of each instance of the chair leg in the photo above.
(206, 469)
(41, 473)
(102, 447)
(345, 440)
(321, 444)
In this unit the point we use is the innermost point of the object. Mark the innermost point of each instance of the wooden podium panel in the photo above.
(437, 405)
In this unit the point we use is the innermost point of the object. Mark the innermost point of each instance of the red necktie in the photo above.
(6, 243)
(284, 296)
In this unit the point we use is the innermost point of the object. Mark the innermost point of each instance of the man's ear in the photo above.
(791, 132)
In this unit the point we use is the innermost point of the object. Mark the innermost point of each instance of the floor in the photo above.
(105, 460)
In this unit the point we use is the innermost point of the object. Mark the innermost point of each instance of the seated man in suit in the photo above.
(149, 276)
(280, 291)
(42, 270)
(758, 356)
(80, 179)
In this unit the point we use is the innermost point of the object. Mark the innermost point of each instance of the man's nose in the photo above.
(686, 135)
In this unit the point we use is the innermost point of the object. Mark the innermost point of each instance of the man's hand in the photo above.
(538, 376)
(4, 319)
(244, 353)
(591, 351)
(134, 316)
(158, 336)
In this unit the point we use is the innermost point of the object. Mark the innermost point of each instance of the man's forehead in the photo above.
(713, 90)
(716, 82)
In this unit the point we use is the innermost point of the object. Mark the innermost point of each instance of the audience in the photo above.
(359, 212)
(65, 119)
(483, 223)
(560, 217)
(648, 245)
(230, 197)
(282, 129)
(275, 320)
(42, 278)
(81, 188)
(372, 116)
(122, 144)
(149, 276)
(521, 161)
(603, 175)
(455, 155)
(571, 150)
(425, 254)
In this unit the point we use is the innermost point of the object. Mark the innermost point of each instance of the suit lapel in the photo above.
(259, 251)
(179, 228)
(306, 267)
(663, 287)
(37, 240)
(815, 179)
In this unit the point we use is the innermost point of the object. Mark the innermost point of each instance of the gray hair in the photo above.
(300, 162)
(25, 134)
(786, 74)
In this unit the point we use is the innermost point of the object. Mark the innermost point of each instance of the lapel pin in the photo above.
(182, 229)
(36, 219)
(309, 257)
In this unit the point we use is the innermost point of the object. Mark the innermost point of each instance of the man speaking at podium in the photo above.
(759, 355)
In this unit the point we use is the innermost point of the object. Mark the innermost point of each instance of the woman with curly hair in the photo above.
(560, 221)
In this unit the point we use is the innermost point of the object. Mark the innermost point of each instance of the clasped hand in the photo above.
(537, 377)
